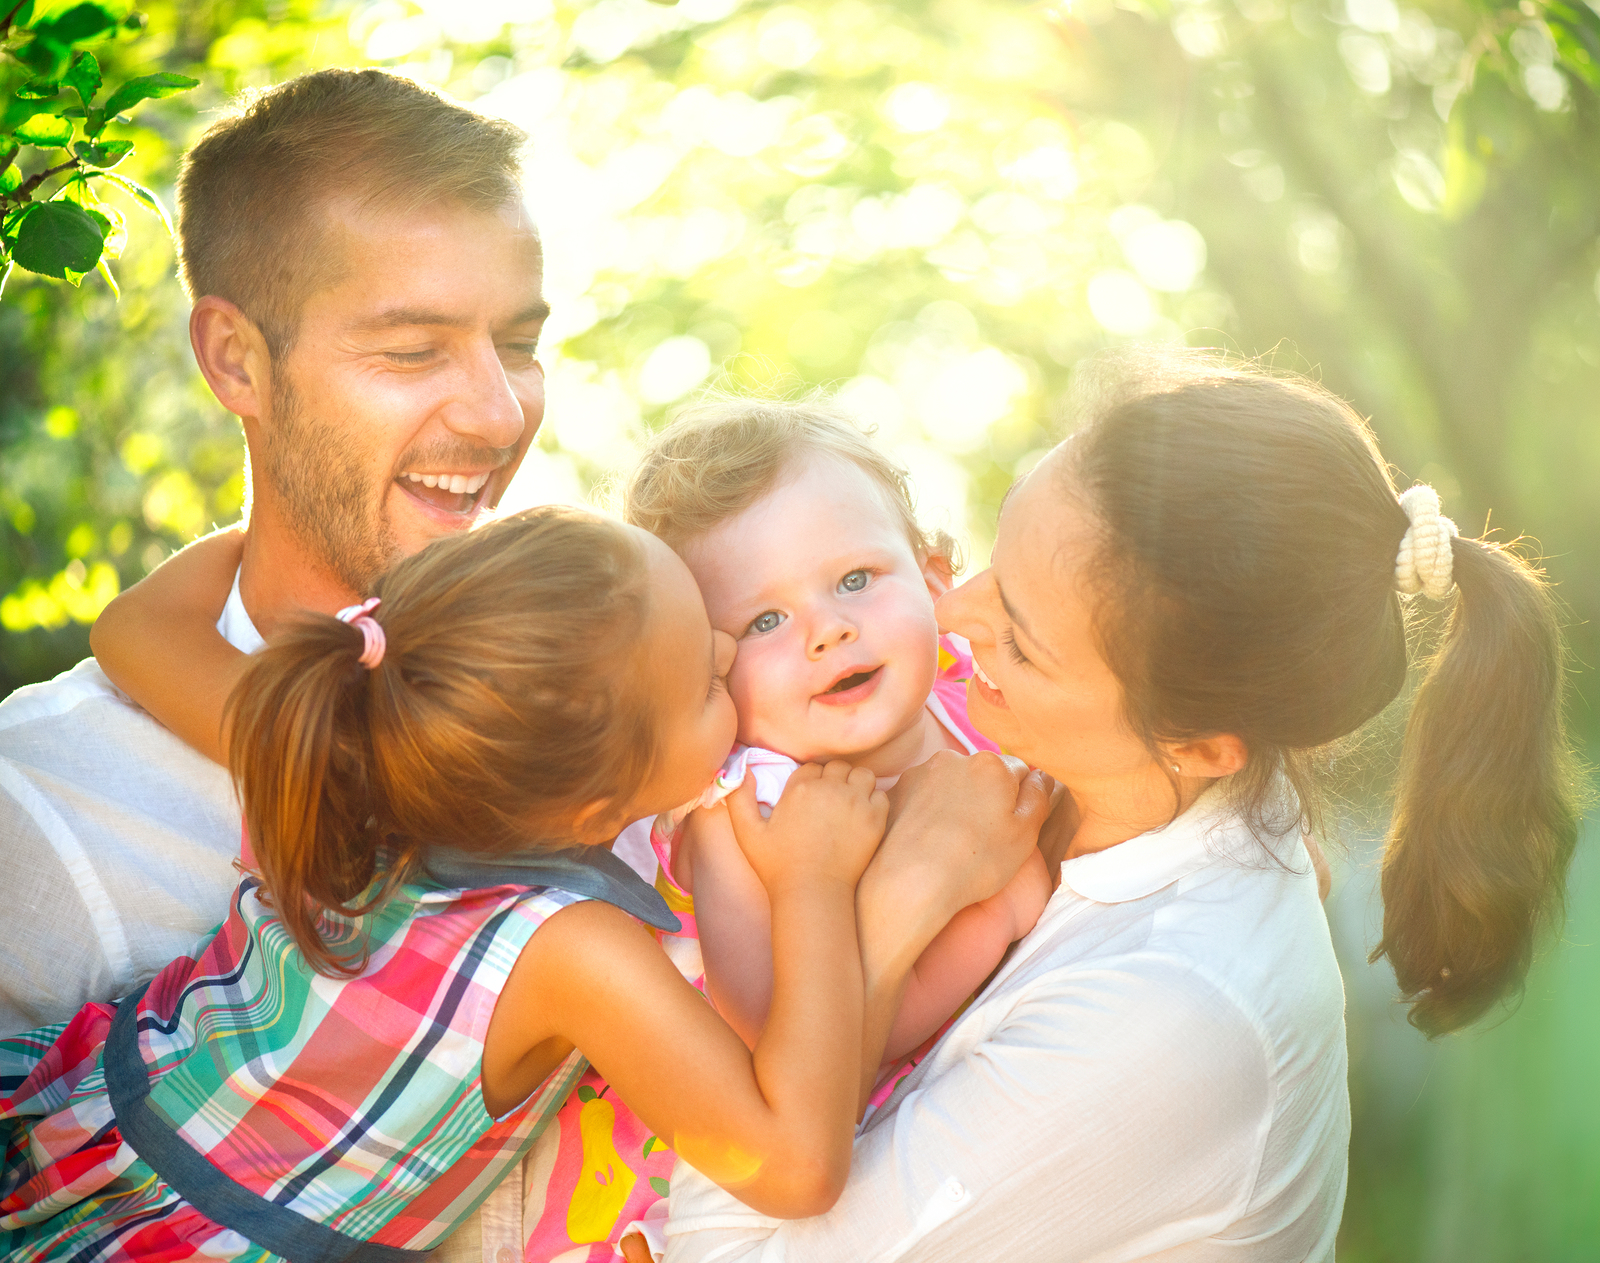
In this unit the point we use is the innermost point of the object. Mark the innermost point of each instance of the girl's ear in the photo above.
(1219, 755)
(938, 573)
(592, 823)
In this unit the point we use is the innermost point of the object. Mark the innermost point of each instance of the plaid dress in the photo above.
(346, 1115)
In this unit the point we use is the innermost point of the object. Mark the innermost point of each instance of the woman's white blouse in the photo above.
(1158, 1072)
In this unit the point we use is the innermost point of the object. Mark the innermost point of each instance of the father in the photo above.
(367, 300)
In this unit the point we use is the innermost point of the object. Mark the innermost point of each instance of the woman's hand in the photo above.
(827, 825)
(960, 828)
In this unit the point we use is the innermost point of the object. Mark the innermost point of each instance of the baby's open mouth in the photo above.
(851, 681)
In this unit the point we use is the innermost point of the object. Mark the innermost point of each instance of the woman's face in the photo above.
(1045, 694)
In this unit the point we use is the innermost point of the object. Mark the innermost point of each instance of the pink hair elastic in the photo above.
(373, 642)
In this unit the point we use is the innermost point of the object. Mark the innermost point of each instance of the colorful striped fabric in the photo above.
(355, 1103)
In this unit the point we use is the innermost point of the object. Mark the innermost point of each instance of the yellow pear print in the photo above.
(604, 1181)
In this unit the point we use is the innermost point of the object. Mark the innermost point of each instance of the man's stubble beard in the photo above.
(326, 494)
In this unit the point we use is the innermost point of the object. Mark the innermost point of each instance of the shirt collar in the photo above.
(1143, 865)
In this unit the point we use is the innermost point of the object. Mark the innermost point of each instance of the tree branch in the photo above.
(34, 181)
(5, 22)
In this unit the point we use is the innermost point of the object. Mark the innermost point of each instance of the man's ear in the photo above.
(232, 355)
(1211, 757)
(938, 573)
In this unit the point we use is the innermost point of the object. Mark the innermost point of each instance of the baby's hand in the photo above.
(827, 825)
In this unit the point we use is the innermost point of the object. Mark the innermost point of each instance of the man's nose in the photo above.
(483, 405)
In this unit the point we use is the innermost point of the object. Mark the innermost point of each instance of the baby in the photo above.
(802, 538)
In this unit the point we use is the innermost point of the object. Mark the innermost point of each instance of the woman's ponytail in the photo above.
(1487, 809)
(296, 736)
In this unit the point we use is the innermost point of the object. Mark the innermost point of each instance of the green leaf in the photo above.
(5, 275)
(23, 16)
(38, 90)
(103, 155)
(84, 77)
(49, 131)
(142, 195)
(78, 25)
(8, 154)
(19, 110)
(58, 238)
(148, 87)
(650, 1144)
(660, 1185)
(44, 56)
(10, 178)
(104, 269)
(586, 1093)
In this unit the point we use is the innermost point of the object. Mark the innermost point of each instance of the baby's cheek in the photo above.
(763, 693)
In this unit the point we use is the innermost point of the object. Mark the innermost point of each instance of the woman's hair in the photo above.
(500, 708)
(720, 456)
(1246, 568)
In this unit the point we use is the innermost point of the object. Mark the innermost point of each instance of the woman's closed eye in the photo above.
(855, 581)
(1010, 640)
(763, 623)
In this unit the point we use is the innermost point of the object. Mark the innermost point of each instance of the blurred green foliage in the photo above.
(938, 207)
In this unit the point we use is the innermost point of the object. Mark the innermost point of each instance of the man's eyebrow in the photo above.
(424, 317)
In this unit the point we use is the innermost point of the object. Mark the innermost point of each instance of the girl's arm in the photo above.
(158, 642)
(774, 1123)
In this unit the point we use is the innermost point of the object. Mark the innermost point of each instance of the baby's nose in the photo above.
(843, 634)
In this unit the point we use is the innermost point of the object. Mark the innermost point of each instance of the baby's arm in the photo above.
(965, 953)
(773, 1123)
(734, 920)
(158, 642)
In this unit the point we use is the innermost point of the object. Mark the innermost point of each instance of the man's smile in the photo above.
(457, 494)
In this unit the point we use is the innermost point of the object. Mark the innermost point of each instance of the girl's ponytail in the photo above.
(296, 736)
(1487, 809)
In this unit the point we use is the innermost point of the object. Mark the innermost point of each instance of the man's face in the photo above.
(413, 387)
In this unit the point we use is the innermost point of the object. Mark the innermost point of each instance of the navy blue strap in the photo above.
(190, 1174)
(592, 871)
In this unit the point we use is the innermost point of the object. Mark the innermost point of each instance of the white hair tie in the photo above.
(1423, 564)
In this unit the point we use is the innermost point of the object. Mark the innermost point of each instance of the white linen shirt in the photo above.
(1158, 1072)
(117, 841)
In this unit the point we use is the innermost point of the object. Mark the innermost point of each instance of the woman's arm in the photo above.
(158, 642)
(961, 828)
(966, 952)
(775, 1122)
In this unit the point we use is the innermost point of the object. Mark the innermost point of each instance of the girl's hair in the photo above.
(720, 456)
(501, 706)
(1250, 529)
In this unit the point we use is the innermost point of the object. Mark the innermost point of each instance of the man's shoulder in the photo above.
(84, 683)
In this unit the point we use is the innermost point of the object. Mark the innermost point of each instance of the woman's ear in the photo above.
(938, 573)
(1211, 757)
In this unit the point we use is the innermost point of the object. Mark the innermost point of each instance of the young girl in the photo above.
(398, 998)
(807, 551)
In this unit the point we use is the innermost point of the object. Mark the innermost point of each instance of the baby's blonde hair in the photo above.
(720, 456)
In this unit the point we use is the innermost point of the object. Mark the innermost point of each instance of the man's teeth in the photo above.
(978, 671)
(457, 484)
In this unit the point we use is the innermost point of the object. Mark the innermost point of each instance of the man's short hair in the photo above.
(251, 193)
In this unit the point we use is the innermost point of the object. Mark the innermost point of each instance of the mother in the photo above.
(1189, 601)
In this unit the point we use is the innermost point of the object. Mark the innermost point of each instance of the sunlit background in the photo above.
(936, 210)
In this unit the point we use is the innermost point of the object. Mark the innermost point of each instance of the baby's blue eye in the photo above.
(766, 622)
(854, 581)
